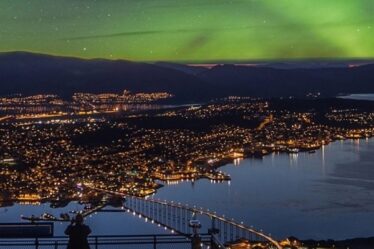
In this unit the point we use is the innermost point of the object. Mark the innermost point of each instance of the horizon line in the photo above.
(203, 62)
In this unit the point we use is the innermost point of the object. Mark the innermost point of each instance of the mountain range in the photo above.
(30, 73)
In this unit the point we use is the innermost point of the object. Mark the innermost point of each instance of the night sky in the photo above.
(190, 30)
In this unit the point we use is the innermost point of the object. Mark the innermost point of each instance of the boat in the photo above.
(293, 150)
(48, 216)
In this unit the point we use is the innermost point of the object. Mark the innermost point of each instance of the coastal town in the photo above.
(135, 153)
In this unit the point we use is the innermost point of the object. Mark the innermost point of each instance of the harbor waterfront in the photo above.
(321, 195)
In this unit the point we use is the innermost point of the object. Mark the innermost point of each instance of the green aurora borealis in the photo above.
(190, 30)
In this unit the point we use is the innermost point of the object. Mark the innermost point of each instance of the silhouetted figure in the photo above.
(78, 233)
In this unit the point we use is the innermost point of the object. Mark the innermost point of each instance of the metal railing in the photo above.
(159, 241)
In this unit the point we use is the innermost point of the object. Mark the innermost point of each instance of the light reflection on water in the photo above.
(327, 194)
(11, 110)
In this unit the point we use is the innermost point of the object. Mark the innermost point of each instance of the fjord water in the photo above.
(363, 96)
(327, 194)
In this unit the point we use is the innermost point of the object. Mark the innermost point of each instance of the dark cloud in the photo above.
(195, 43)
(151, 32)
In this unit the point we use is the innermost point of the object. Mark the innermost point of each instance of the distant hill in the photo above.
(29, 73)
(313, 64)
(265, 81)
(194, 70)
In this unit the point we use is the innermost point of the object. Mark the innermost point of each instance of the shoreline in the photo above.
(259, 154)
(216, 165)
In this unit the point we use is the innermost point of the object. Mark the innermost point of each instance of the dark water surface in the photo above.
(363, 96)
